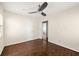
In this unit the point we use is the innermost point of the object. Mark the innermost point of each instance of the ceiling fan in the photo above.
(40, 9)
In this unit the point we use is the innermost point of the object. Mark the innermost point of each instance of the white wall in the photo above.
(37, 28)
(64, 28)
(19, 28)
(1, 30)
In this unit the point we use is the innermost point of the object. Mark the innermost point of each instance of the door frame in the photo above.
(46, 29)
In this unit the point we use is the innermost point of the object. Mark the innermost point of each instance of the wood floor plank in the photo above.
(37, 48)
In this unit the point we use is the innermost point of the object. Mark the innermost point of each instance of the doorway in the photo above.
(45, 30)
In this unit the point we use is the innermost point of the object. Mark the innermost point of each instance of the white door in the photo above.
(45, 30)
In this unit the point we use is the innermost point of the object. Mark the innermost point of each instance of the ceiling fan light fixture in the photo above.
(43, 14)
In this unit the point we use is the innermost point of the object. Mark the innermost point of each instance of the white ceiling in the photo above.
(24, 7)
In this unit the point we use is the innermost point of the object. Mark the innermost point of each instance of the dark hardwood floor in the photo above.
(37, 47)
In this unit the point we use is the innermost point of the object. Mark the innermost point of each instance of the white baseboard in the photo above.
(65, 46)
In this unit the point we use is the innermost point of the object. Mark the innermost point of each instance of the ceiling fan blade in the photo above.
(33, 12)
(43, 14)
(43, 6)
